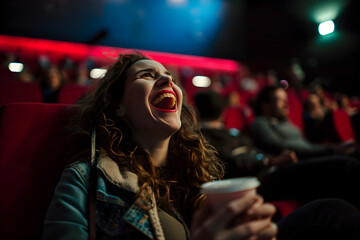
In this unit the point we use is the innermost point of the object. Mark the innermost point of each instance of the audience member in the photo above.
(68, 69)
(273, 132)
(318, 122)
(141, 189)
(51, 82)
(317, 87)
(83, 77)
(343, 102)
(237, 114)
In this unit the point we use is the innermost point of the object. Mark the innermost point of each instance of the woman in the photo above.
(150, 163)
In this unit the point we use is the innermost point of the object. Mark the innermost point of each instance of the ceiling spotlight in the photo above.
(201, 81)
(97, 72)
(326, 27)
(16, 67)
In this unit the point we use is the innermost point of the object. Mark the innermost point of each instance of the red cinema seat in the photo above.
(343, 125)
(233, 118)
(31, 161)
(295, 108)
(14, 91)
(70, 93)
(285, 207)
(238, 117)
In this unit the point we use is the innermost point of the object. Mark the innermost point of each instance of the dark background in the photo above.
(261, 34)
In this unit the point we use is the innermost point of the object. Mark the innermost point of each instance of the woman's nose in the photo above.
(165, 80)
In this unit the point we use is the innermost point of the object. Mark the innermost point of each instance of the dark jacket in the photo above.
(273, 136)
(240, 157)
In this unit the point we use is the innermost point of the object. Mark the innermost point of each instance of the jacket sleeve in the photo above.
(250, 163)
(67, 216)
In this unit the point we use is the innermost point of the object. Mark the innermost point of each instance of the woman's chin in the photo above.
(170, 127)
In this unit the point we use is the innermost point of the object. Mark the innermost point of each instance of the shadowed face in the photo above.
(279, 104)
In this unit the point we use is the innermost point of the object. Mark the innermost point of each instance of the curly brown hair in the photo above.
(191, 159)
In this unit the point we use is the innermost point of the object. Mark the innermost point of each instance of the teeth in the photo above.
(165, 95)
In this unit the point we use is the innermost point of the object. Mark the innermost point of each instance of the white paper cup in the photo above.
(219, 193)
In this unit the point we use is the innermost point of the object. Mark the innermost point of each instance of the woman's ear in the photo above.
(120, 112)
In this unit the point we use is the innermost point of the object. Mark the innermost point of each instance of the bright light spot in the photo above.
(97, 72)
(326, 27)
(201, 81)
(16, 67)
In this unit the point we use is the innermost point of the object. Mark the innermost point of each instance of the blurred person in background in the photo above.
(343, 102)
(318, 121)
(51, 81)
(273, 132)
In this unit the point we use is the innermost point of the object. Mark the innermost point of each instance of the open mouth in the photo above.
(165, 100)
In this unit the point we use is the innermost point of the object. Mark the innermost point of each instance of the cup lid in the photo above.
(230, 185)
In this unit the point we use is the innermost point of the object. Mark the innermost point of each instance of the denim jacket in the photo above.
(117, 214)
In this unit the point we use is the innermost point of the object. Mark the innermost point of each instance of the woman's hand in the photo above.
(244, 218)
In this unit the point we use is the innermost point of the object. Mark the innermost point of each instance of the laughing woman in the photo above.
(140, 161)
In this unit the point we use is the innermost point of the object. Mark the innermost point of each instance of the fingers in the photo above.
(213, 225)
(268, 233)
(258, 202)
(260, 229)
(288, 156)
(294, 158)
(232, 209)
(265, 211)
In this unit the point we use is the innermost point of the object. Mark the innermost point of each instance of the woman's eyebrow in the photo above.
(151, 70)
(145, 70)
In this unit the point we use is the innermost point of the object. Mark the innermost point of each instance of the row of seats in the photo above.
(15, 91)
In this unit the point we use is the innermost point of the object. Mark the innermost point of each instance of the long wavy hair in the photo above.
(191, 159)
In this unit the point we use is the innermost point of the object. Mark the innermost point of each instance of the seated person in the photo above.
(241, 158)
(140, 177)
(318, 122)
(51, 81)
(343, 102)
(273, 132)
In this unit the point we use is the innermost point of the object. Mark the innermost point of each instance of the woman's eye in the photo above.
(144, 75)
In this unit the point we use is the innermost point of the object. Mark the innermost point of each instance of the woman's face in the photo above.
(152, 101)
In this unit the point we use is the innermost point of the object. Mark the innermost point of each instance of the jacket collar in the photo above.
(118, 176)
(125, 179)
